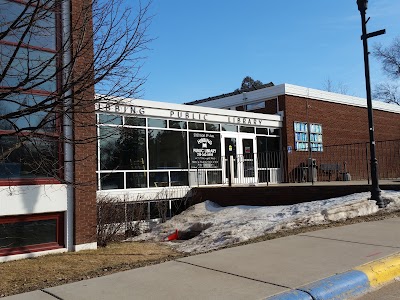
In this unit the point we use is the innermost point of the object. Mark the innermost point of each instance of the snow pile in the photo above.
(214, 227)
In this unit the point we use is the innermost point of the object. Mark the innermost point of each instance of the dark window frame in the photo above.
(59, 244)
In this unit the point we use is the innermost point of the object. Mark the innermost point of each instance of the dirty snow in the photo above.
(223, 226)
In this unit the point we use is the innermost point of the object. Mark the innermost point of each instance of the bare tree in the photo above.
(340, 88)
(390, 60)
(40, 52)
(389, 92)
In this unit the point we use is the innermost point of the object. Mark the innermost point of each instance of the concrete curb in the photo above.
(349, 284)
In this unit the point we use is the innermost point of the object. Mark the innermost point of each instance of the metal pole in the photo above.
(375, 190)
(229, 169)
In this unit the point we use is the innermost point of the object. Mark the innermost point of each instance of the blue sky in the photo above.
(205, 48)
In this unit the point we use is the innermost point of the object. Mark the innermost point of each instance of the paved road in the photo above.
(387, 292)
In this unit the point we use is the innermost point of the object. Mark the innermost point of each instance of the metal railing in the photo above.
(334, 163)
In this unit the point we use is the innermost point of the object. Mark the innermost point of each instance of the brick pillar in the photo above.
(84, 124)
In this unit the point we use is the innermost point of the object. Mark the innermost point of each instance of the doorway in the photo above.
(240, 157)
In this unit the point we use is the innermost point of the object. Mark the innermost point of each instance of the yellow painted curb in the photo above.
(382, 271)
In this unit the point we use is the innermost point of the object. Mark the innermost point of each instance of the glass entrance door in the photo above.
(230, 159)
(248, 158)
(239, 158)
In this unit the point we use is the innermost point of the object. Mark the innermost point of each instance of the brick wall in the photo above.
(341, 124)
(84, 125)
(276, 195)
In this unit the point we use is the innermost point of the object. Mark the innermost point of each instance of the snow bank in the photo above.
(222, 226)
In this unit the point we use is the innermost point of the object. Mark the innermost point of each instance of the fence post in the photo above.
(366, 159)
(197, 173)
(268, 172)
(229, 169)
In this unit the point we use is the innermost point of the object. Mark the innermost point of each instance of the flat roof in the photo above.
(293, 90)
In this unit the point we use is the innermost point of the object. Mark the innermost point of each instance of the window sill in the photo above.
(28, 181)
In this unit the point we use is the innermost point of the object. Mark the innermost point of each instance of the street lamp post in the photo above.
(375, 190)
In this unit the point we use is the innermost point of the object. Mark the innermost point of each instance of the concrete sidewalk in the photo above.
(255, 271)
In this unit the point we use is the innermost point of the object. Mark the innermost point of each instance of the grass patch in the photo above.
(52, 270)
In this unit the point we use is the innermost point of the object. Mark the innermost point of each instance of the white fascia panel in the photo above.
(146, 108)
(32, 199)
(304, 92)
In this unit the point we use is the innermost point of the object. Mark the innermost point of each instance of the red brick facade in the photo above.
(341, 125)
(84, 127)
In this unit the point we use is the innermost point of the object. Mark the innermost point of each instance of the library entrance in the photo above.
(239, 157)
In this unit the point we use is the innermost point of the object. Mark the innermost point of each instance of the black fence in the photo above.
(333, 163)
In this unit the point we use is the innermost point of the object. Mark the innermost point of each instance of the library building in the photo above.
(146, 146)
(275, 134)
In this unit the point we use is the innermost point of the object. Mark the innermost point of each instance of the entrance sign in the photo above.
(205, 150)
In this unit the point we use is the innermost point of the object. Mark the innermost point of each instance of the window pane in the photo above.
(274, 131)
(247, 129)
(136, 180)
(27, 120)
(22, 234)
(269, 155)
(122, 148)
(158, 179)
(28, 157)
(229, 127)
(135, 121)
(160, 123)
(110, 181)
(262, 131)
(214, 177)
(212, 127)
(177, 124)
(41, 32)
(110, 119)
(196, 126)
(179, 178)
(261, 144)
(29, 68)
(263, 175)
(273, 144)
(274, 155)
(167, 149)
(254, 106)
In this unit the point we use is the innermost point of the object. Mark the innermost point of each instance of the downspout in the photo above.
(68, 125)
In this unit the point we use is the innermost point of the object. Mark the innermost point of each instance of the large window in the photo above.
(301, 137)
(269, 154)
(29, 130)
(24, 234)
(167, 149)
(140, 152)
(122, 148)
